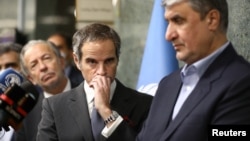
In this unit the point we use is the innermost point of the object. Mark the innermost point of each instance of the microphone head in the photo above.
(16, 103)
(31, 96)
(8, 78)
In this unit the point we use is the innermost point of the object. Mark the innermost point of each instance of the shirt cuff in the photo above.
(107, 131)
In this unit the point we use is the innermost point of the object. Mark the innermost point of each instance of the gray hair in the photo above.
(95, 32)
(31, 44)
(204, 6)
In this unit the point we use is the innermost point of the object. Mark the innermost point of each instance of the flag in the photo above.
(159, 55)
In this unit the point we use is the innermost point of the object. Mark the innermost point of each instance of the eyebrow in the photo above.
(11, 64)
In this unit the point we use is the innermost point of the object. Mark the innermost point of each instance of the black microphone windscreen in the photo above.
(31, 97)
(29, 87)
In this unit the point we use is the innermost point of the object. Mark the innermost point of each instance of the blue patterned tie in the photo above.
(97, 124)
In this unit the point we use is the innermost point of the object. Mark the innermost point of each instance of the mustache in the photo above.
(176, 43)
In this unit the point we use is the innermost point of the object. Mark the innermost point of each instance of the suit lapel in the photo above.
(192, 101)
(170, 101)
(165, 97)
(79, 110)
(120, 100)
(203, 88)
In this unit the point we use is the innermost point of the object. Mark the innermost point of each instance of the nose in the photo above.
(170, 33)
(42, 65)
(101, 70)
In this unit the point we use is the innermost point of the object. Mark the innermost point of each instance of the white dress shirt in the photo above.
(6, 136)
(68, 87)
(107, 131)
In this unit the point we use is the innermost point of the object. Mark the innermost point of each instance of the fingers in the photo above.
(100, 81)
(101, 86)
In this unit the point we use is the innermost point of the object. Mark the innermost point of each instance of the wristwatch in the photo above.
(114, 115)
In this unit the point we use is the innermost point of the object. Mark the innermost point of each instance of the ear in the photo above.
(76, 60)
(213, 19)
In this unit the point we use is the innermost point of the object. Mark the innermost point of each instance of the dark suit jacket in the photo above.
(221, 97)
(28, 131)
(65, 117)
(75, 75)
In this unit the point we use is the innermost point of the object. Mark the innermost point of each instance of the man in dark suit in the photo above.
(213, 86)
(71, 115)
(42, 64)
(64, 43)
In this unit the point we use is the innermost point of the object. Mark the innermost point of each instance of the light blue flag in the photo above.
(159, 55)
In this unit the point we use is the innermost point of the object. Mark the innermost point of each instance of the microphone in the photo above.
(16, 101)
(8, 77)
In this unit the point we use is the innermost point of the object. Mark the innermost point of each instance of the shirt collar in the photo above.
(68, 87)
(90, 92)
(200, 66)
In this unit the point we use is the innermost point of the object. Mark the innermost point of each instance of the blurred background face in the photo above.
(98, 58)
(9, 59)
(45, 69)
(62, 46)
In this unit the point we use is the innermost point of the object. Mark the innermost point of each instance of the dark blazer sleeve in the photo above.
(133, 117)
(123, 133)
